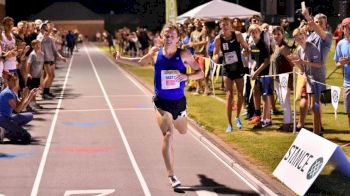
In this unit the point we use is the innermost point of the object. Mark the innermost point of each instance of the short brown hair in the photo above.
(35, 42)
(171, 27)
(225, 18)
(254, 27)
(7, 18)
(298, 31)
(278, 28)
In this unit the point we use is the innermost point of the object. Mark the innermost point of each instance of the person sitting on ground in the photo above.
(11, 124)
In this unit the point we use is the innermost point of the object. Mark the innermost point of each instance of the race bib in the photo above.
(231, 57)
(168, 79)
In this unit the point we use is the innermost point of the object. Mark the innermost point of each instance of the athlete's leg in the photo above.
(240, 99)
(165, 123)
(229, 98)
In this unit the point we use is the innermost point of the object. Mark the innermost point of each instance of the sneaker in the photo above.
(266, 124)
(174, 182)
(258, 125)
(276, 112)
(51, 95)
(239, 123)
(47, 97)
(31, 109)
(229, 129)
(255, 120)
(37, 106)
(2, 135)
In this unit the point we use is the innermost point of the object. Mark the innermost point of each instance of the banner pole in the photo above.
(294, 104)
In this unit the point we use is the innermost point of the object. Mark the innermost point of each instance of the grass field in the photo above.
(266, 147)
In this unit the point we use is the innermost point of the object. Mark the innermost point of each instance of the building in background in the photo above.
(72, 16)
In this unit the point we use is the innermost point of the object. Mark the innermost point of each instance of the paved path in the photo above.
(100, 137)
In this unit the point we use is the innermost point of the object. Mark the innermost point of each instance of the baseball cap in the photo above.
(345, 21)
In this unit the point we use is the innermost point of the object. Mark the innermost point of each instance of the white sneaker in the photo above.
(174, 182)
(229, 128)
(2, 135)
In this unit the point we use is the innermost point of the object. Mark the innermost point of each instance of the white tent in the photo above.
(216, 9)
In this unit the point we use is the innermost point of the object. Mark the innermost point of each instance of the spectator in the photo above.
(308, 59)
(341, 57)
(11, 124)
(260, 69)
(338, 34)
(280, 64)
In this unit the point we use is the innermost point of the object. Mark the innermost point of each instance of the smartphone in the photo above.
(303, 7)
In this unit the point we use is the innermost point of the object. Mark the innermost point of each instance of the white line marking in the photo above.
(99, 96)
(206, 193)
(100, 192)
(121, 131)
(103, 110)
(49, 137)
(233, 167)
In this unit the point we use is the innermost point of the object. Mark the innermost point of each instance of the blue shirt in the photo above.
(324, 47)
(162, 64)
(5, 109)
(343, 50)
(187, 40)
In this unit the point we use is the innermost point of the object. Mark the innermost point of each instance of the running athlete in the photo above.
(230, 42)
(169, 83)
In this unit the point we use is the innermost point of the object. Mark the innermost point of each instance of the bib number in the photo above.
(168, 79)
(231, 57)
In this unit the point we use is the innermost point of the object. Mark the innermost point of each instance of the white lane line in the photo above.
(97, 192)
(206, 193)
(121, 131)
(49, 137)
(234, 167)
(103, 110)
(99, 96)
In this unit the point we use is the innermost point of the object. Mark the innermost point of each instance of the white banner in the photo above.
(305, 160)
(335, 94)
(282, 87)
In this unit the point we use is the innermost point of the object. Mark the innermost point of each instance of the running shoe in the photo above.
(239, 123)
(266, 124)
(46, 97)
(174, 182)
(255, 120)
(229, 129)
(2, 135)
(276, 112)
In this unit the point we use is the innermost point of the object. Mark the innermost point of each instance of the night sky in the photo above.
(142, 7)
(152, 11)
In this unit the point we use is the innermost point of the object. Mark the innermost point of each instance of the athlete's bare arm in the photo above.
(187, 57)
(126, 60)
(216, 49)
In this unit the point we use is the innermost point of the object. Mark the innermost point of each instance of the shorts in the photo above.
(303, 92)
(33, 83)
(49, 62)
(175, 107)
(347, 100)
(233, 71)
(200, 60)
(314, 88)
(265, 84)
